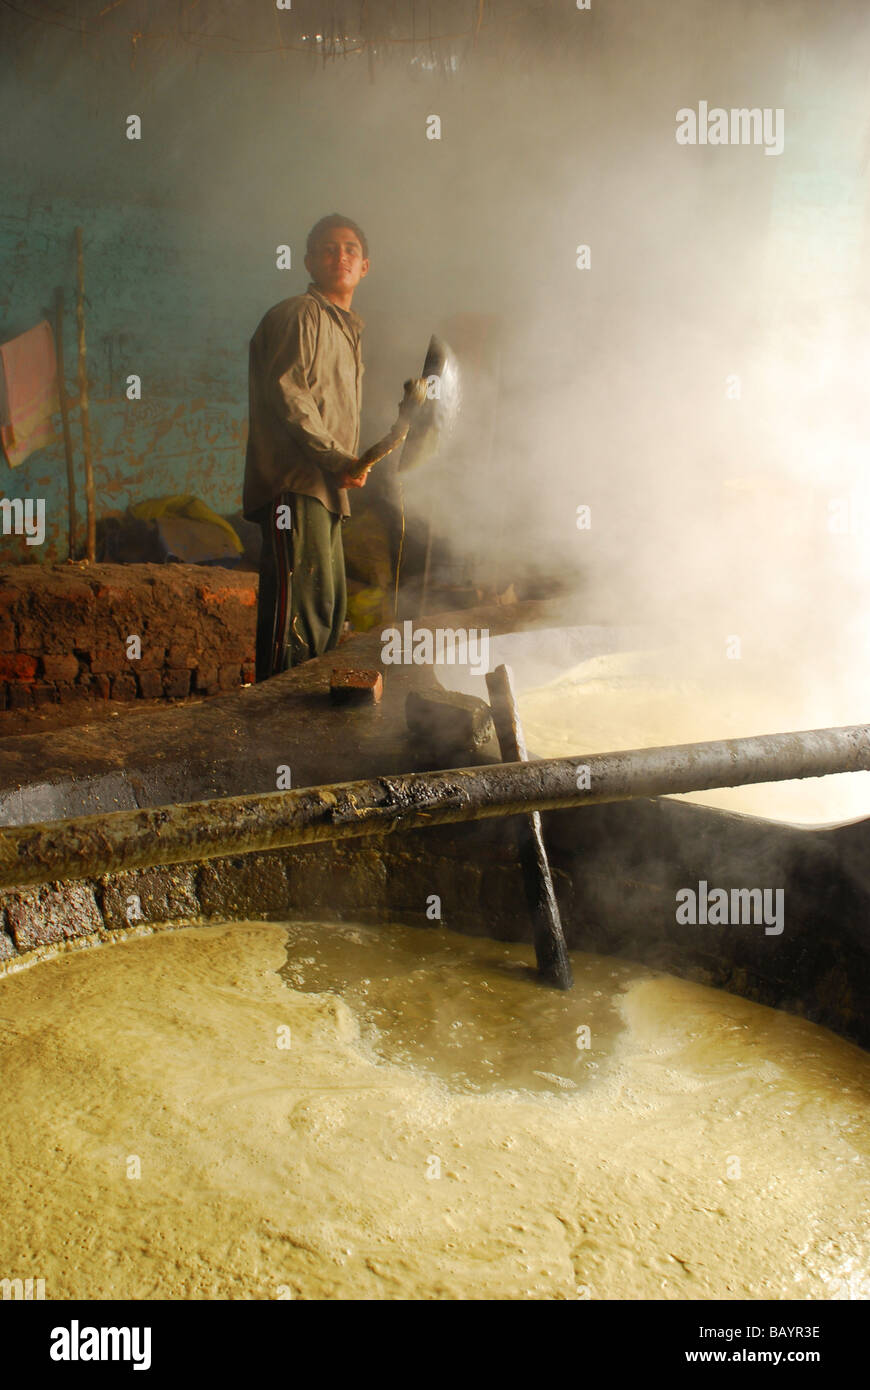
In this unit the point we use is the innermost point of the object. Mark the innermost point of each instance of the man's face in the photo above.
(336, 265)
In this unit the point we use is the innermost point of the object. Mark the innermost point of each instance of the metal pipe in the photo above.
(91, 845)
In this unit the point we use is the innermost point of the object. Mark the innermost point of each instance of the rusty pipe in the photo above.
(87, 846)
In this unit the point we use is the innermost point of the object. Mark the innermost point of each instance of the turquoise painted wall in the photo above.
(150, 310)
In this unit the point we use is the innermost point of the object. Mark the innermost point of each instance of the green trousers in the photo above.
(302, 598)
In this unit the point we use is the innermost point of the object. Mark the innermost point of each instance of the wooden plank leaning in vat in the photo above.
(551, 952)
(87, 846)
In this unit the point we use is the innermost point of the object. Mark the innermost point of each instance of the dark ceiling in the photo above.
(444, 34)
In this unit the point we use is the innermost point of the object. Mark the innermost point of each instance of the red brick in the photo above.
(17, 666)
(60, 668)
(66, 612)
(249, 672)
(213, 597)
(349, 686)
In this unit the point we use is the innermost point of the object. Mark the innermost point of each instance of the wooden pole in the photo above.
(109, 842)
(550, 949)
(64, 412)
(90, 501)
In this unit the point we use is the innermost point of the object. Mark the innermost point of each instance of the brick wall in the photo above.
(66, 630)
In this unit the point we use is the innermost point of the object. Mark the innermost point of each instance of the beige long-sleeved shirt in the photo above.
(305, 395)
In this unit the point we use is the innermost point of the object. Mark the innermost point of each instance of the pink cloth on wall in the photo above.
(29, 398)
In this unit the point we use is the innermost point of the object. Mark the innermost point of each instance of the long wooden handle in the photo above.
(373, 455)
(550, 949)
(415, 394)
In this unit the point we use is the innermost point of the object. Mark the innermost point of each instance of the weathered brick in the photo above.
(57, 912)
(225, 652)
(19, 696)
(58, 615)
(60, 668)
(353, 686)
(229, 677)
(249, 672)
(43, 693)
(177, 684)
(108, 660)
(180, 656)
(124, 686)
(150, 684)
(206, 679)
(333, 880)
(17, 666)
(152, 658)
(253, 885)
(217, 596)
(31, 633)
(164, 895)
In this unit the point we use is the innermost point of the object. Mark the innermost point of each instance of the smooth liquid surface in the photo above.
(715, 1149)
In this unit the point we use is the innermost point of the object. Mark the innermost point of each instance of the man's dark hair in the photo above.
(335, 219)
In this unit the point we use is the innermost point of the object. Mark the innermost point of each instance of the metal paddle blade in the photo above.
(435, 418)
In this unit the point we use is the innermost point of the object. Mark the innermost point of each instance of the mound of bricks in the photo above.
(66, 630)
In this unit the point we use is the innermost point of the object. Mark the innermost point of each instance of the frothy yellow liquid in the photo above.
(613, 702)
(257, 1111)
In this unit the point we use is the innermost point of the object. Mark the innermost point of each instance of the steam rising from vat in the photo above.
(701, 387)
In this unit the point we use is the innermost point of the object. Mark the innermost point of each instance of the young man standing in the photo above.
(305, 392)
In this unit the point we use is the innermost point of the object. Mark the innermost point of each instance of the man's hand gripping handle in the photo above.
(415, 395)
